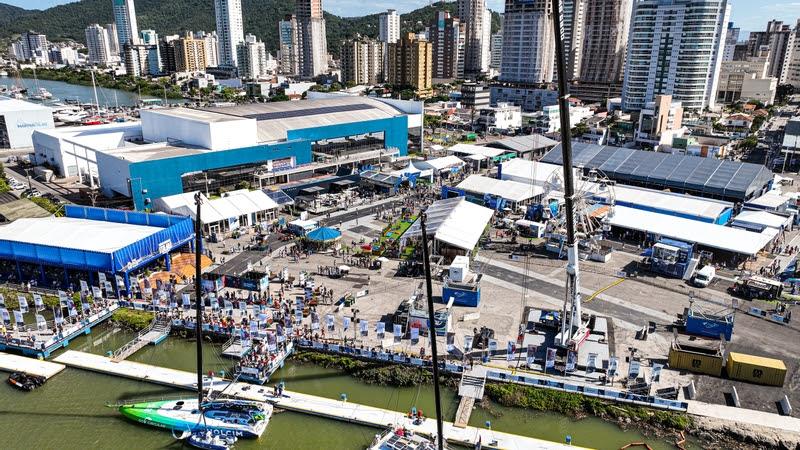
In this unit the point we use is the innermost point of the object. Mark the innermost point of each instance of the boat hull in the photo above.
(183, 415)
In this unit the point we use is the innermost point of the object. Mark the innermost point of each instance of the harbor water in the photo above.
(84, 94)
(70, 412)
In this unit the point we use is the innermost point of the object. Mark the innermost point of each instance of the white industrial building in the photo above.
(19, 119)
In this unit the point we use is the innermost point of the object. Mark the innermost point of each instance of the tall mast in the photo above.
(572, 301)
(432, 333)
(198, 297)
(96, 101)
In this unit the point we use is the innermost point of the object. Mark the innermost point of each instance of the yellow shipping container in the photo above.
(695, 359)
(756, 369)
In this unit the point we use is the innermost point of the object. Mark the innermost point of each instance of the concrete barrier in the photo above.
(692, 391)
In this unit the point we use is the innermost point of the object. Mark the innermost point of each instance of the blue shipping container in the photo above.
(704, 326)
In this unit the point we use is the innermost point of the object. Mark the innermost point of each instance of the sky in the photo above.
(749, 15)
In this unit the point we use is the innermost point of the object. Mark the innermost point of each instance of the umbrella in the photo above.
(324, 234)
(344, 268)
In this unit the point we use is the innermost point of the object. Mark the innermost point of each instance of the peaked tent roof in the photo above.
(324, 234)
(454, 221)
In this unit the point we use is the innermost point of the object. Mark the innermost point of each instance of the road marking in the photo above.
(601, 290)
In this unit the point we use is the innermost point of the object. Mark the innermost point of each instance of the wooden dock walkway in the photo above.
(153, 334)
(15, 363)
(308, 404)
(471, 387)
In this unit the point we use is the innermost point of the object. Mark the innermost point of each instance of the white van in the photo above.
(704, 276)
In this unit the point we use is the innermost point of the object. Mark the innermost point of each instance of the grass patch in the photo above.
(50, 301)
(132, 319)
(368, 372)
(576, 405)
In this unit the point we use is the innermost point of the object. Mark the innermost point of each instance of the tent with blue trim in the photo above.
(324, 234)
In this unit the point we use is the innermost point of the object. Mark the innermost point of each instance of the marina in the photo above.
(304, 403)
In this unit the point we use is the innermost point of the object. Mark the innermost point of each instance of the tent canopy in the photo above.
(324, 234)
(454, 221)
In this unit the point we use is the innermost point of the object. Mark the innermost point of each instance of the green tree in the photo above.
(580, 129)
(748, 143)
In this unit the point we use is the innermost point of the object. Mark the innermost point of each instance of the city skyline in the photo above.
(747, 15)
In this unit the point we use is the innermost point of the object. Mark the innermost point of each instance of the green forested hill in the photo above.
(261, 18)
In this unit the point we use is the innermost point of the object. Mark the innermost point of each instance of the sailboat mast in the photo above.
(96, 102)
(432, 332)
(198, 294)
(572, 299)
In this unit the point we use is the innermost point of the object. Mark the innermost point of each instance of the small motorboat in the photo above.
(25, 382)
(209, 441)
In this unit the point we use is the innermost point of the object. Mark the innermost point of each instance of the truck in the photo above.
(704, 276)
(671, 257)
(756, 287)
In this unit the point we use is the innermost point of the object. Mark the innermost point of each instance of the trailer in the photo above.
(671, 258)
(756, 287)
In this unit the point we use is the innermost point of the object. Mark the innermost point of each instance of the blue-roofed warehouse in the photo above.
(61, 251)
(706, 177)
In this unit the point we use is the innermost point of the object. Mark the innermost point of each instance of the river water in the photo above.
(69, 411)
(62, 91)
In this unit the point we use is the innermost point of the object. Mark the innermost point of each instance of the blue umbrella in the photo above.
(324, 234)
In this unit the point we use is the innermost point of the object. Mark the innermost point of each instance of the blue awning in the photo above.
(324, 234)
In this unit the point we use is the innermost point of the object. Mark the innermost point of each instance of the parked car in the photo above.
(28, 193)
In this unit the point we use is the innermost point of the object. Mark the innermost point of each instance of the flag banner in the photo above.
(185, 300)
(656, 376)
(156, 302)
(2, 300)
(228, 306)
(329, 322)
(572, 361)
(58, 316)
(109, 289)
(530, 356)
(380, 329)
(37, 302)
(19, 318)
(451, 342)
(287, 322)
(364, 327)
(97, 293)
(271, 342)
(314, 320)
(101, 277)
(299, 301)
(4, 315)
(346, 323)
(612, 366)
(73, 312)
(41, 322)
(398, 332)
(23, 303)
(279, 331)
(253, 326)
(173, 302)
(550, 360)
(86, 306)
(492, 347)
(511, 349)
(63, 298)
(591, 363)
(468, 343)
(633, 368)
(120, 281)
(70, 303)
(214, 303)
(298, 316)
(414, 334)
(85, 287)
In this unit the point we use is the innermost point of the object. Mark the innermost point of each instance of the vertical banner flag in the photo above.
(612, 366)
(101, 277)
(186, 300)
(253, 327)
(23, 303)
(398, 332)
(572, 361)
(2, 300)
(656, 372)
(271, 342)
(41, 323)
(97, 293)
(414, 334)
(62, 298)
(120, 281)
(633, 368)
(173, 302)
(58, 316)
(591, 363)
(380, 329)
(346, 323)
(530, 356)
(468, 343)
(510, 351)
(279, 331)
(314, 320)
(4, 315)
(492, 347)
(19, 318)
(329, 321)
(37, 302)
(550, 360)
(364, 327)
(109, 289)
(451, 342)
(85, 287)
